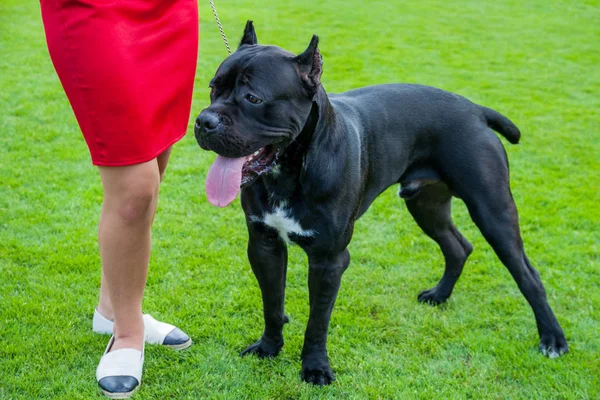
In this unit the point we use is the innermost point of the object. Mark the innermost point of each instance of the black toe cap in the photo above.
(176, 337)
(118, 384)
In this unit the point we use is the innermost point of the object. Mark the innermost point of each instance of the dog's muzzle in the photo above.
(207, 124)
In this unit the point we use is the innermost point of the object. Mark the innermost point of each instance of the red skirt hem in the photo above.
(138, 160)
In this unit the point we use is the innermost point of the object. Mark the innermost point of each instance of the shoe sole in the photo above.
(124, 395)
(181, 346)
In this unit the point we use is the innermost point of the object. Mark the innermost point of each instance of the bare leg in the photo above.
(130, 198)
(104, 305)
(163, 160)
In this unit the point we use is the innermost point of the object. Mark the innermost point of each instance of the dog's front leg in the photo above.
(268, 257)
(324, 277)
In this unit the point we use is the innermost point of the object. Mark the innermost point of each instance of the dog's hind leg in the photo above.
(482, 181)
(268, 257)
(430, 208)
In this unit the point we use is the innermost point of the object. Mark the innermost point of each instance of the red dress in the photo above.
(127, 67)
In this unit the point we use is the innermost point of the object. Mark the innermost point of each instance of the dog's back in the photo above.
(421, 108)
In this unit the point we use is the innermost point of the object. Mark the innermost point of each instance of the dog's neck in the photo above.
(321, 114)
(286, 180)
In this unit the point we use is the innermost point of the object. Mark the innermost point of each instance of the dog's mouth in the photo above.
(260, 162)
(228, 175)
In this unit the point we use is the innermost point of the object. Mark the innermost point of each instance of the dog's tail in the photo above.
(501, 124)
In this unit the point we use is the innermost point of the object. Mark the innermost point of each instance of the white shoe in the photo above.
(155, 332)
(119, 373)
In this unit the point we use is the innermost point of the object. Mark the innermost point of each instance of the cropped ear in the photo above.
(310, 65)
(249, 35)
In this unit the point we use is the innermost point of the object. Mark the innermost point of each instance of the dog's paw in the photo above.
(554, 345)
(264, 348)
(432, 296)
(316, 369)
(322, 376)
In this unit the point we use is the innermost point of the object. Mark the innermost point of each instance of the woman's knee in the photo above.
(137, 204)
(132, 195)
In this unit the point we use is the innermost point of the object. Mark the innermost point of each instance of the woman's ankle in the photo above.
(106, 311)
(128, 342)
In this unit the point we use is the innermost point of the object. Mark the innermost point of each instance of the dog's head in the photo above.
(261, 97)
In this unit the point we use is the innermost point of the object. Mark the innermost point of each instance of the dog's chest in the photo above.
(281, 218)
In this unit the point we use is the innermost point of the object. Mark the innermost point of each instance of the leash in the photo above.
(212, 5)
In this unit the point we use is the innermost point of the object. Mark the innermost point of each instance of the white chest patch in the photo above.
(282, 220)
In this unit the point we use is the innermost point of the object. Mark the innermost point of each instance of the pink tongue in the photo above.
(223, 180)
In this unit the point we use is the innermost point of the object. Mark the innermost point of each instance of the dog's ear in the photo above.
(310, 65)
(249, 35)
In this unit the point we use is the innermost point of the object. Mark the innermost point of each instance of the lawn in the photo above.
(535, 61)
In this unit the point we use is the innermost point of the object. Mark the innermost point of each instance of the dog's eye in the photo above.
(253, 99)
(212, 90)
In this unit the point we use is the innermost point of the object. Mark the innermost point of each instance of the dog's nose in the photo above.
(207, 120)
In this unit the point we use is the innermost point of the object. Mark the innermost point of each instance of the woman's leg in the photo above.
(130, 198)
(163, 160)
(104, 305)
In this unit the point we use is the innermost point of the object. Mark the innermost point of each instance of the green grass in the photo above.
(535, 61)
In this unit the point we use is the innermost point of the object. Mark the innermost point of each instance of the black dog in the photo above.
(310, 165)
